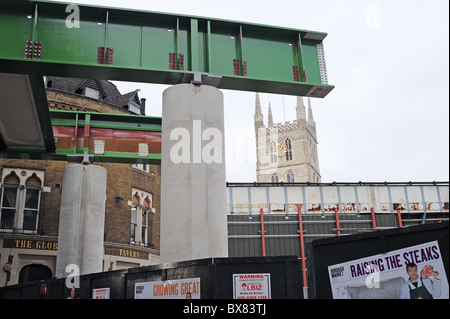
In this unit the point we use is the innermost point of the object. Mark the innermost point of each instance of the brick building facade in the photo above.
(30, 196)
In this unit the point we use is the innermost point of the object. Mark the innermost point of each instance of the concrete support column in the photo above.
(82, 219)
(193, 180)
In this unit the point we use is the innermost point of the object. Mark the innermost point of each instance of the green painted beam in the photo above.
(64, 155)
(76, 134)
(151, 47)
(107, 120)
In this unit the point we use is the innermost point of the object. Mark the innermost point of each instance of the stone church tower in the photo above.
(286, 152)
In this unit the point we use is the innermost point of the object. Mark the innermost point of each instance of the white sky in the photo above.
(388, 117)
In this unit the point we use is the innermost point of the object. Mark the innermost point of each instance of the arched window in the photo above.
(141, 206)
(20, 200)
(288, 143)
(290, 177)
(274, 178)
(144, 221)
(9, 201)
(31, 203)
(134, 218)
(273, 152)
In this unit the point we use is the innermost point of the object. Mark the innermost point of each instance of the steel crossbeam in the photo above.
(115, 44)
(40, 38)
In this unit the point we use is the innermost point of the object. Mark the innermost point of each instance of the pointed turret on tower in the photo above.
(311, 122)
(310, 114)
(270, 118)
(300, 110)
(258, 117)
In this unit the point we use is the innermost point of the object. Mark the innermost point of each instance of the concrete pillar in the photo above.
(193, 181)
(82, 219)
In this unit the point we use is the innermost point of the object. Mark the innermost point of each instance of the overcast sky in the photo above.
(388, 117)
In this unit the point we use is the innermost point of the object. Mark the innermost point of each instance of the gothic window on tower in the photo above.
(273, 152)
(290, 177)
(288, 144)
(274, 178)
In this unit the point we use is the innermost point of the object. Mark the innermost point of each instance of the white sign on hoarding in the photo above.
(251, 286)
(100, 293)
(169, 289)
(415, 272)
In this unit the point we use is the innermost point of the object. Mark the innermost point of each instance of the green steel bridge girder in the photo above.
(39, 38)
(45, 38)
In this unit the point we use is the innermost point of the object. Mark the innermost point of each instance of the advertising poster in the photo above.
(100, 293)
(251, 286)
(415, 272)
(170, 289)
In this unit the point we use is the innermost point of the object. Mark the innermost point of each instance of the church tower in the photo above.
(286, 152)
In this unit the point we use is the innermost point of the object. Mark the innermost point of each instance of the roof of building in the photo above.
(108, 91)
